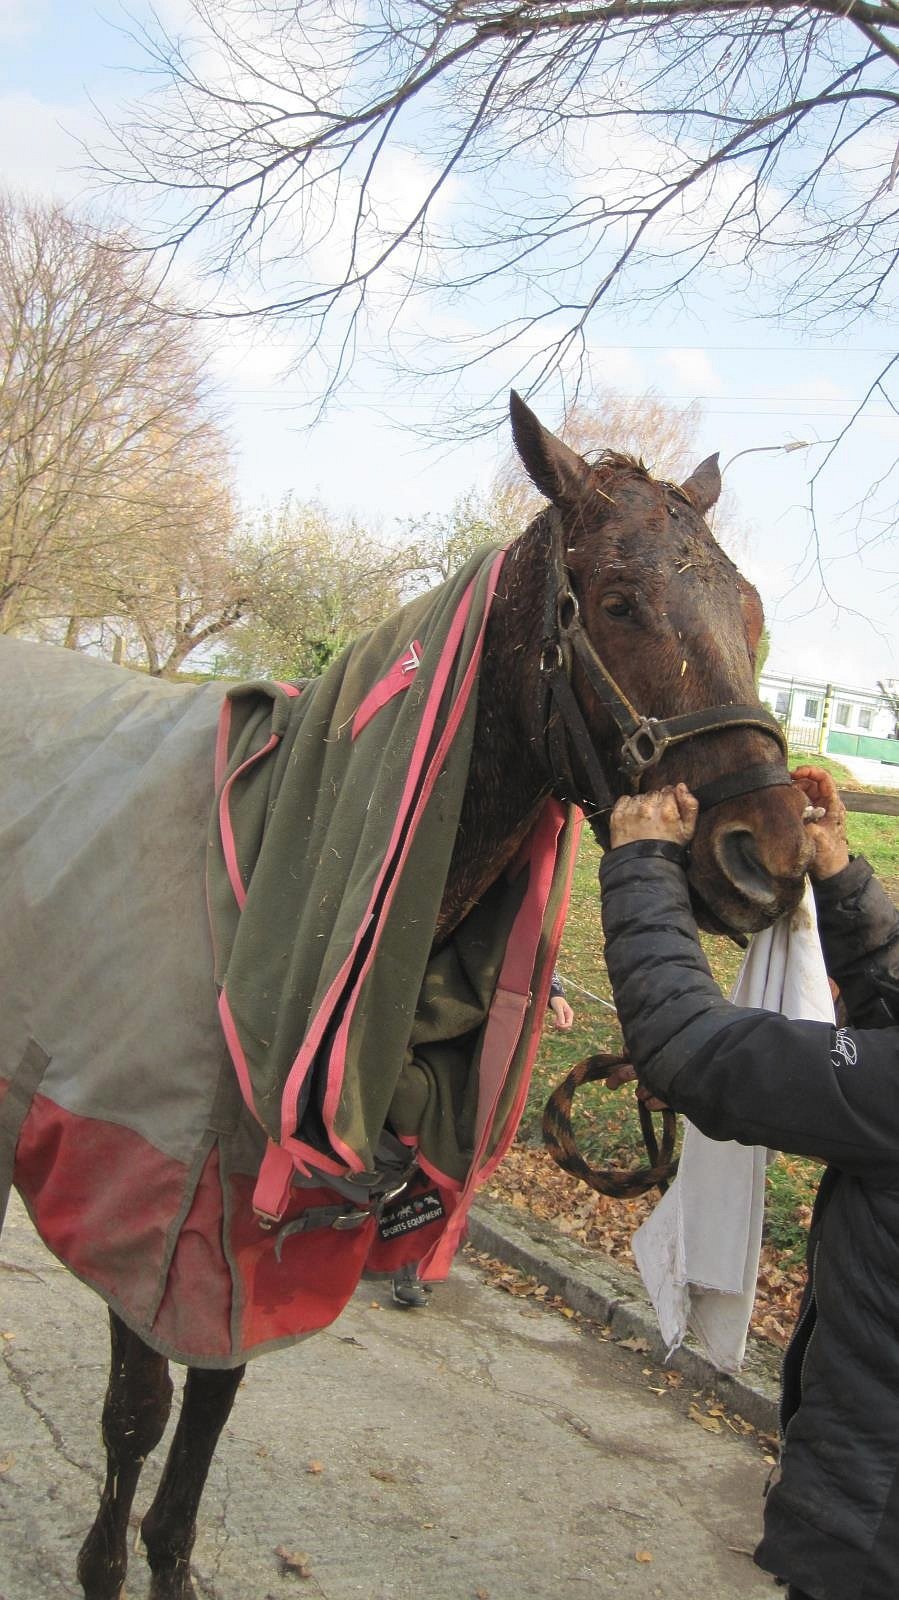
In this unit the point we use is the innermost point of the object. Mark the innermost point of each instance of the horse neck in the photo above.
(508, 775)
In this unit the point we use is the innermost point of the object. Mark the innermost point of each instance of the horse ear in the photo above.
(704, 485)
(558, 472)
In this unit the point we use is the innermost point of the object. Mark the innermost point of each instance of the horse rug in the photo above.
(227, 1035)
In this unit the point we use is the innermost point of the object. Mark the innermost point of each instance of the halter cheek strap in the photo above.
(644, 740)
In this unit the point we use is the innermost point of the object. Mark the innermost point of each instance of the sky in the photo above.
(66, 63)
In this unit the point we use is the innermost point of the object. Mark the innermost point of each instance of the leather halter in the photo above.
(644, 740)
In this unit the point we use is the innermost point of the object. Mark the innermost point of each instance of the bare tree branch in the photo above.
(115, 501)
(332, 166)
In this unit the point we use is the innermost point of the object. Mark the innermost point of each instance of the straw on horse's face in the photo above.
(677, 628)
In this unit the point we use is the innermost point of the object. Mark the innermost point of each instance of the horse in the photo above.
(619, 651)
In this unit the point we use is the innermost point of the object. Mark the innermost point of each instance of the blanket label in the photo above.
(407, 1215)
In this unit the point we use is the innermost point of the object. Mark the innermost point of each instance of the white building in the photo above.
(829, 716)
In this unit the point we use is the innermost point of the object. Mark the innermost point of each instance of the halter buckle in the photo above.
(644, 747)
(568, 612)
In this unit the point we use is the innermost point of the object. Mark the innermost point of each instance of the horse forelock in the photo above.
(612, 461)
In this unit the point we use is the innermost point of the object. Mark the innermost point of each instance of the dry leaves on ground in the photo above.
(295, 1562)
(530, 1180)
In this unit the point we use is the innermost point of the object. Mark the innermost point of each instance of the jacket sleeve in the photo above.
(859, 927)
(736, 1072)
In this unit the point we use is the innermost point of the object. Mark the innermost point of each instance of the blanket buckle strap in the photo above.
(350, 1219)
(272, 1191)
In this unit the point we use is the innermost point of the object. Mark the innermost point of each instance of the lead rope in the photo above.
(616, 1181)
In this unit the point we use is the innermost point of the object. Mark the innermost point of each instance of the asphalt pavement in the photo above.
(485, 1447)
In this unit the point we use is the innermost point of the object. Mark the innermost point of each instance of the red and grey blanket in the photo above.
(222, 1045)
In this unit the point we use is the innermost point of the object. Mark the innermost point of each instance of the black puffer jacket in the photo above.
(832, 1518)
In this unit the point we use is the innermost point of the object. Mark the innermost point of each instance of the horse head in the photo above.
(650, 634)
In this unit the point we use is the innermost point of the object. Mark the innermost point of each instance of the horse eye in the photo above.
(615, 605)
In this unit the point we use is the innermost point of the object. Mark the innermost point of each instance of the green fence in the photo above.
(862, 744)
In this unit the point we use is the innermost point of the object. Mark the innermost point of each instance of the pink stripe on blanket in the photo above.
(229, 845)
(222, 738)
(400, 676)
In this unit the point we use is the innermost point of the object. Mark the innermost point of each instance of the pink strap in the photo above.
(400, 676)
(272, 1191)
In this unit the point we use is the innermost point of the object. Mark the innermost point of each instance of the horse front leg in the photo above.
(169, 1528)
(135, 1412)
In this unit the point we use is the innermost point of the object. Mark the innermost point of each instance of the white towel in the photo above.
(698, 1253)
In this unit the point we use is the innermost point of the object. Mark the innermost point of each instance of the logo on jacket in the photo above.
(408, 1215)
(844, 1048)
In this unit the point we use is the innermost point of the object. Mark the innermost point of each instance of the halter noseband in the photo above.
(644, 740)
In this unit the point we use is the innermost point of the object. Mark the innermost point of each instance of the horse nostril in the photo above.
(738, 859)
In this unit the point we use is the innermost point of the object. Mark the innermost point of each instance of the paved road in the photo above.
(882, 774)
(484, 1447)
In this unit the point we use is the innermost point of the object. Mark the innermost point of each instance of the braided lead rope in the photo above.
(559, 1137)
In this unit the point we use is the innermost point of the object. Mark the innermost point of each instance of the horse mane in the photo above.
(617, 461)
(620, 461)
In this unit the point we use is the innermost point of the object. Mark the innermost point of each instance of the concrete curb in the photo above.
(596, 1286)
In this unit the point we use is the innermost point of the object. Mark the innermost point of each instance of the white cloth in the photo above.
(698, 1253)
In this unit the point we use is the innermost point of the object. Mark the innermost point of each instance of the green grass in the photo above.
(606, 1124)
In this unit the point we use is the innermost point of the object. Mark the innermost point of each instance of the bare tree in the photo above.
(115, 503)
(317, 581)
(177, 579)
(549, 158)
(438, 545)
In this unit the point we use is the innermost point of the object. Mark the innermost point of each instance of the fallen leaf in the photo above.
(6, 1462)
(635, 1343)
(383, 1474)
(295, 1561)
(711, 1424)
(315, 1467)
(643, 1555)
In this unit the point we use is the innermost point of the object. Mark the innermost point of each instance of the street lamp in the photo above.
(785, 449)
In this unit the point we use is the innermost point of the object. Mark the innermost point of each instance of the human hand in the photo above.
(562, 1014)
(662, 814)
(626, 1074)
(828, 829)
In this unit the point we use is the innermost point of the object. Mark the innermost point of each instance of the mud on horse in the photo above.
(619, 651)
